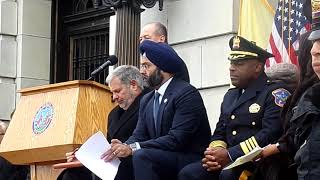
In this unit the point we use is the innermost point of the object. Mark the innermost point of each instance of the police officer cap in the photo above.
(161, 55)
(315, 26)
(242, 49)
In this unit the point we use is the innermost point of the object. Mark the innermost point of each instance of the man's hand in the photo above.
(118, 149)
(268, 151)
(215, 158)
(71, 156)
(209, 161)
(222, 156)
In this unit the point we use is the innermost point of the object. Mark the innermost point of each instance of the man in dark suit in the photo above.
(126, 85)
(250, 115)
(157, 32)
(173, 127)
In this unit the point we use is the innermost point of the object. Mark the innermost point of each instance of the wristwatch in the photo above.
(133, 147)
(277, 145)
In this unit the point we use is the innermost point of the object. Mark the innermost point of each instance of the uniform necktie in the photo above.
(156, 108)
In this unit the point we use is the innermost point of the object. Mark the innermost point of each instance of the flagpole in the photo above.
(289, 26)
(282, 24)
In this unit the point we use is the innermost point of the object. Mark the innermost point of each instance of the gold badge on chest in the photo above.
(254, 108)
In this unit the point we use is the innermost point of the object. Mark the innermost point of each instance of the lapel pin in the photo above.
(165, 100)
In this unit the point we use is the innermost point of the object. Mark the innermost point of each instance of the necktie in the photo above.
(156, 108)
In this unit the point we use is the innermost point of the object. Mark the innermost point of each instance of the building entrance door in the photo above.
(80, 41)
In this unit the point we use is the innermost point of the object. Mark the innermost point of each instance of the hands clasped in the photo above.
(215, 158)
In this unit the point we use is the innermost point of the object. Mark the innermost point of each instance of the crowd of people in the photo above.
(160, 129)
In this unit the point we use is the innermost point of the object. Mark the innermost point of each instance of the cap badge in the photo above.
(254, 108)
(236, 43)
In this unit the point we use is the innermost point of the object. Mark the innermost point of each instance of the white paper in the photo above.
(245, 158)
(89, 155)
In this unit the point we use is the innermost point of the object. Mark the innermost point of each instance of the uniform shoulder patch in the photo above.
(280, 96)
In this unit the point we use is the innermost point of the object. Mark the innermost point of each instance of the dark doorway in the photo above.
(80, 39)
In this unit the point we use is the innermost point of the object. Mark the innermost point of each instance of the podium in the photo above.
(53, 119)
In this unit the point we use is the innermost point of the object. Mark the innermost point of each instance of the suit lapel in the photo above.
(167, 97)
(123, 118)
(114, 123)
(163, 104)
(247, 95)
(234, 95)
(252, 90)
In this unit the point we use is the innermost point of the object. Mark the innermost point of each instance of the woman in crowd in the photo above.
(281, 155)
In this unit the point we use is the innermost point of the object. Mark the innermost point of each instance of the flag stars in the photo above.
(290, 21)
(279, 18)
(292, 11)
(299, 24)
(284, 28)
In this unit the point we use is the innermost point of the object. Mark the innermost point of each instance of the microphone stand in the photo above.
(90, 78)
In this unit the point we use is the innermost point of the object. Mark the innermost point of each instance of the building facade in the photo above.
(199, 30)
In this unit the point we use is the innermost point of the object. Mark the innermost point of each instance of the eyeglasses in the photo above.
(144, 66)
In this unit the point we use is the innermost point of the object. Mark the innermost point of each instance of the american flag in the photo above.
(289, 22)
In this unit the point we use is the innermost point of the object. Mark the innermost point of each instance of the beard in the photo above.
(127, 101)
(155, 79)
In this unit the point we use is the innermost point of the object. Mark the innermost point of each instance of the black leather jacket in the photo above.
(307, 135)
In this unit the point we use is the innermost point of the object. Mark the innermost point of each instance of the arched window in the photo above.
(84, 5)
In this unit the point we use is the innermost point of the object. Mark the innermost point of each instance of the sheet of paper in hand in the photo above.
(89, 155)
(245, 158)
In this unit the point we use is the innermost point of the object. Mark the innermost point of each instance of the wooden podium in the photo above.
(54, 119)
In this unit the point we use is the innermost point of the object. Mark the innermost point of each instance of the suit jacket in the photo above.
(121, 123)
(251, 120)
(184, 125)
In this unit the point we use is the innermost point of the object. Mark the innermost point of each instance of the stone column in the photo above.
(127, 35)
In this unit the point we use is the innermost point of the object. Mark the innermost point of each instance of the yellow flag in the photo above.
(255, 21)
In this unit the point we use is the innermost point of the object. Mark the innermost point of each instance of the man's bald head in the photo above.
(155, 32)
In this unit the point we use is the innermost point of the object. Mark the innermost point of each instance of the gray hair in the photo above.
(126, 73)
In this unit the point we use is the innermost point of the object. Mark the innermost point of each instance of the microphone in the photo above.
(112, 60)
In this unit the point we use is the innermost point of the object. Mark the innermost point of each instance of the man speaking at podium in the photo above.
(126, 84)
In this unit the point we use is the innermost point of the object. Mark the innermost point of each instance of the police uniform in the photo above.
(249, 117)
